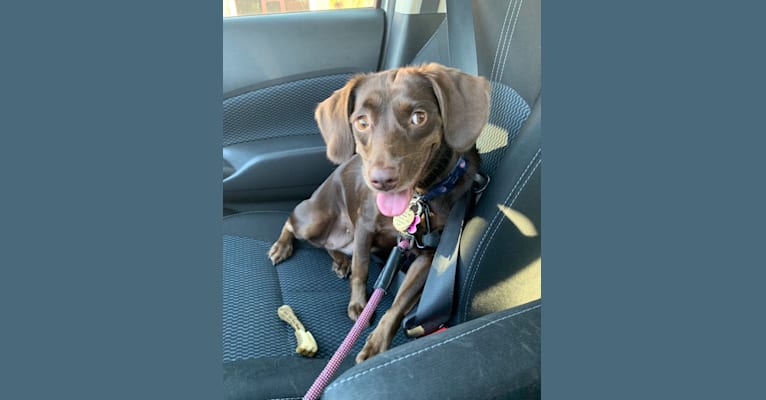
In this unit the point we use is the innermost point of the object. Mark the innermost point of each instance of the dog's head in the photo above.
(397, 120)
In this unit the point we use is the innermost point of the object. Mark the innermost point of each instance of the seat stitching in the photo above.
(497, 227)
(499, 39)
(508, 49)
(504, 201)
(472, 331)
(494, 231)
(484, 236)
(506, 43)
(523, 185)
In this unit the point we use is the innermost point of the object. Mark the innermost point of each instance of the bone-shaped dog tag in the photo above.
(404, 220)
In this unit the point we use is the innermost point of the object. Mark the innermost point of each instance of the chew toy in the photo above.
(307, 346)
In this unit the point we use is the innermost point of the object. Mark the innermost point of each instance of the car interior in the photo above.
(276, 69)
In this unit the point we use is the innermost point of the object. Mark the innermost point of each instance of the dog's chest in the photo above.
(340, 236)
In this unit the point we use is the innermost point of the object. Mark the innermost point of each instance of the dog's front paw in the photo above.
(355, 309)
(342, 268)
(376, 344)
(280, 251)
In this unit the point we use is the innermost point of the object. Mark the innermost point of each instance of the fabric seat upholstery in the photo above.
(254, 338)
(254, 289)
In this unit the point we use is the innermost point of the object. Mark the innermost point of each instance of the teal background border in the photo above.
(652, 200)
(111, 210)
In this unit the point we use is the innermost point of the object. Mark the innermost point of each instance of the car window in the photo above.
(233, 8)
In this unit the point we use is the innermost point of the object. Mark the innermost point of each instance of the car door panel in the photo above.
(277, 68)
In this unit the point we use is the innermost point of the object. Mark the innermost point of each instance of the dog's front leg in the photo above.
(283, 247)
(360, 262)
(409, 293)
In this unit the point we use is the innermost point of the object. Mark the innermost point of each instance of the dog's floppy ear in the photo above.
(463, 102)
(332, 116)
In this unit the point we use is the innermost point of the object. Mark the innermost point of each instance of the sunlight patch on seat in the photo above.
(519, 288)
(523, 224)
(492, 137)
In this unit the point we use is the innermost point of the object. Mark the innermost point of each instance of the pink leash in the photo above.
(384, 280)
(329, 370)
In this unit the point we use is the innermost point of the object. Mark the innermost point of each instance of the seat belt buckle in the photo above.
(419, 331)
(416, 332)
(416, 328)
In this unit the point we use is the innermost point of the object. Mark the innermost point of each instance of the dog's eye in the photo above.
(361, 123)
(418, 118)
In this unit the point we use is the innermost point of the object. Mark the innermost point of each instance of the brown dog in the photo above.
(409, 128)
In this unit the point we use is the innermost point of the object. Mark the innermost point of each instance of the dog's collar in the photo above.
(448, 183)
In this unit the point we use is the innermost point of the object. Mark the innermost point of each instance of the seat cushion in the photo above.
(254, 338)
(496, 356)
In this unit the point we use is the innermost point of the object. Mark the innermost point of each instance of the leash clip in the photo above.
(405, 241)
(389, 270)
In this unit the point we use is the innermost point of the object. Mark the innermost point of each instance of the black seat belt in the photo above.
(435, 306)
(437, 299)
(461, 36)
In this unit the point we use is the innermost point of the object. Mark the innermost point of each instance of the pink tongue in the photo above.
(393, 204)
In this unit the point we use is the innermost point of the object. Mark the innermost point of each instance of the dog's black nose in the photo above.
(383, 179)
